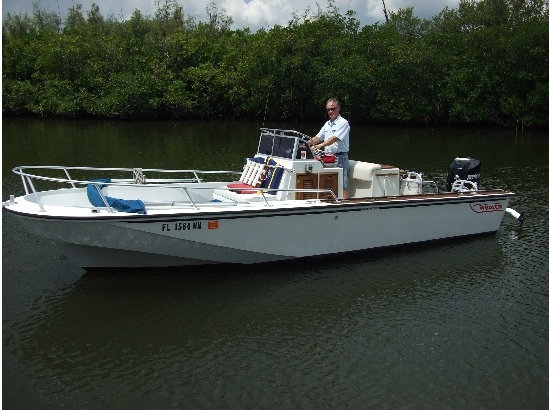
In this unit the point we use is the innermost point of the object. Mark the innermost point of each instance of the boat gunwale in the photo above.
(306, 207)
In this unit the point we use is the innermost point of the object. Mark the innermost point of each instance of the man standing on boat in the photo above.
(334, 138)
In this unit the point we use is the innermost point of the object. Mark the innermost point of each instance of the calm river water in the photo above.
(455, 325)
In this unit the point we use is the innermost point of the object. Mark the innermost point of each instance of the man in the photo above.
(334, 138)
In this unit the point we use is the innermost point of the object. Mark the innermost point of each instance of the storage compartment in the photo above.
(328, 181)
(325, 180)
(306, 181)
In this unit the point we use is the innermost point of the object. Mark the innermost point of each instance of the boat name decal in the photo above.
(481, 208)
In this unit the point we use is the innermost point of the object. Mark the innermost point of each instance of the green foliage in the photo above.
(485, 62)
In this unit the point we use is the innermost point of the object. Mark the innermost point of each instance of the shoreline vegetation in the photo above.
(483, 63)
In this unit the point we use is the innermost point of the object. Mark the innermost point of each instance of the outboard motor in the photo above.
(467, 169)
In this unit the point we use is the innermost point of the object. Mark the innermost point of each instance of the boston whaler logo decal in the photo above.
(481, 208)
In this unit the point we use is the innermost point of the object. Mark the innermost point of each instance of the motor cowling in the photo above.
(468, 169)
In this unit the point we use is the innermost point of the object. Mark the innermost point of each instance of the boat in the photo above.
(286, 203)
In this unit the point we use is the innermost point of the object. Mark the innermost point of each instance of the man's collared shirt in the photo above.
(338, 128)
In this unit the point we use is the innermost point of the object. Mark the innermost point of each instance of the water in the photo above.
(456, 325)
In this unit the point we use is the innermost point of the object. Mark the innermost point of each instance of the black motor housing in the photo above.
(468, 169)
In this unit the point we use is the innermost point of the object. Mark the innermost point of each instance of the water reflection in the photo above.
(149, 331)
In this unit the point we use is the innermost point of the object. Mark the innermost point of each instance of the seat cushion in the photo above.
(241, 188)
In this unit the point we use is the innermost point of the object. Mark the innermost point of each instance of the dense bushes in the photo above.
(485, 62)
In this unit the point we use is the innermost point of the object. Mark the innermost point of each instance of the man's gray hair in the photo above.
(335, 100)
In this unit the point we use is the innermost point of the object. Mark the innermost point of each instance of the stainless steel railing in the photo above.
(197, 176)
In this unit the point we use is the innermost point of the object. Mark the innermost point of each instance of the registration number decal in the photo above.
(187, 226)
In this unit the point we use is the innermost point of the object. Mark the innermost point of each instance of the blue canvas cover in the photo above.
(259, 160)
(123, 205)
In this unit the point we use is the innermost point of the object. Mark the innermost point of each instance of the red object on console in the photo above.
(327, 158)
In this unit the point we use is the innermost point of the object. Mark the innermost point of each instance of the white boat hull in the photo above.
(286, 204)
(264, 234)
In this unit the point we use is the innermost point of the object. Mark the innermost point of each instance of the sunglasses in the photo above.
(332, 109)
